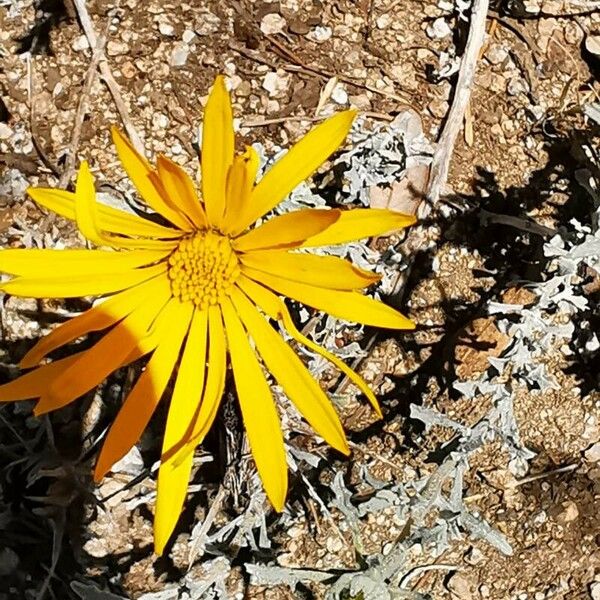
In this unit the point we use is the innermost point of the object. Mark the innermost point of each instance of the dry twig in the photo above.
(107, 76)
(90, 77)
(443, 154)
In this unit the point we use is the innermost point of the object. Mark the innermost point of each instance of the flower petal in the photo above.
(35, 262)
(101, 316)
(217, 150)
(139, 406)
(106, 356)
(111, 219)
(297, 383)
(87, 217)
(322, 271)
(290, 230)
(139, 171)
(181, 191)
(213, 391)
(296, 165)
(66, 286)
(276, 309)
(350, 306)
(173, 479)
(259, 412)
(34, 383)
(359, 223)
(240, 180)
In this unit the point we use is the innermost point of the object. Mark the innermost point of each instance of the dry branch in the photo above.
(113, 86)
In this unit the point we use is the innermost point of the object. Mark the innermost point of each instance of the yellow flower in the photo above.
(191, 290)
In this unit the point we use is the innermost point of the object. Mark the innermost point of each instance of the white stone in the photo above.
(80, 43)
(161, 121)
(439, 29)
(179, 55)
(592, 454)
(272, 23)
(271, 82)
(5, 131)
(321, 34)
(339, 94)
(166, 29)
(517, 86)
(188, 36)
(115, 48)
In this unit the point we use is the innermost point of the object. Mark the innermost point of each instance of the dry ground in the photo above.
(520, 139)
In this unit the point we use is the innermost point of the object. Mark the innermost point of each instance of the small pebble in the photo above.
(272, 23)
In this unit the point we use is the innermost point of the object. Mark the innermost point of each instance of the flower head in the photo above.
(198, 287)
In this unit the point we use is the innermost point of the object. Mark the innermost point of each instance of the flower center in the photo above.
(202, 269)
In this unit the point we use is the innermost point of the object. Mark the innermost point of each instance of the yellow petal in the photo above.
(107, 355)
(143, 399)
(86, 208)
(240, 180)
(87, 217)
(63, 286)
(273, 306)
(297, 383)
(213, 391)
(181, 191)
(259, 412)
(351, 306)
(359, 223)
(139, 171)
(34, 383)
(300, 162)
(287, 231)
(217, 150)
(101, 316)
(322, 271)
(173, 479)
(111, 219)
(34, 262)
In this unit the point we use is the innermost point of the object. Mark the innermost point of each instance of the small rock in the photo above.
(438, 108)
(595, 591)
(339, 95)
(592, 44)
(270, 82)
(334, 544)
(5, 131)
(166, 29)
(569, 514)
(188, 36)
(80, 43)
(116, 48)
(128, 69)
(298, 26)
(461, 587)
(244, 89)
(275, 82)
(321, 34)
(496, 54)
(592, 454)
(161, 121)
(272, 23)
(383, 21)
(207, 24)
(179, 55)
(517, 86)
(474, 556)
(360, 101)
(439, 29)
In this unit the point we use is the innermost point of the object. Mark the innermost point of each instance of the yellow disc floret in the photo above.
(202, 269)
